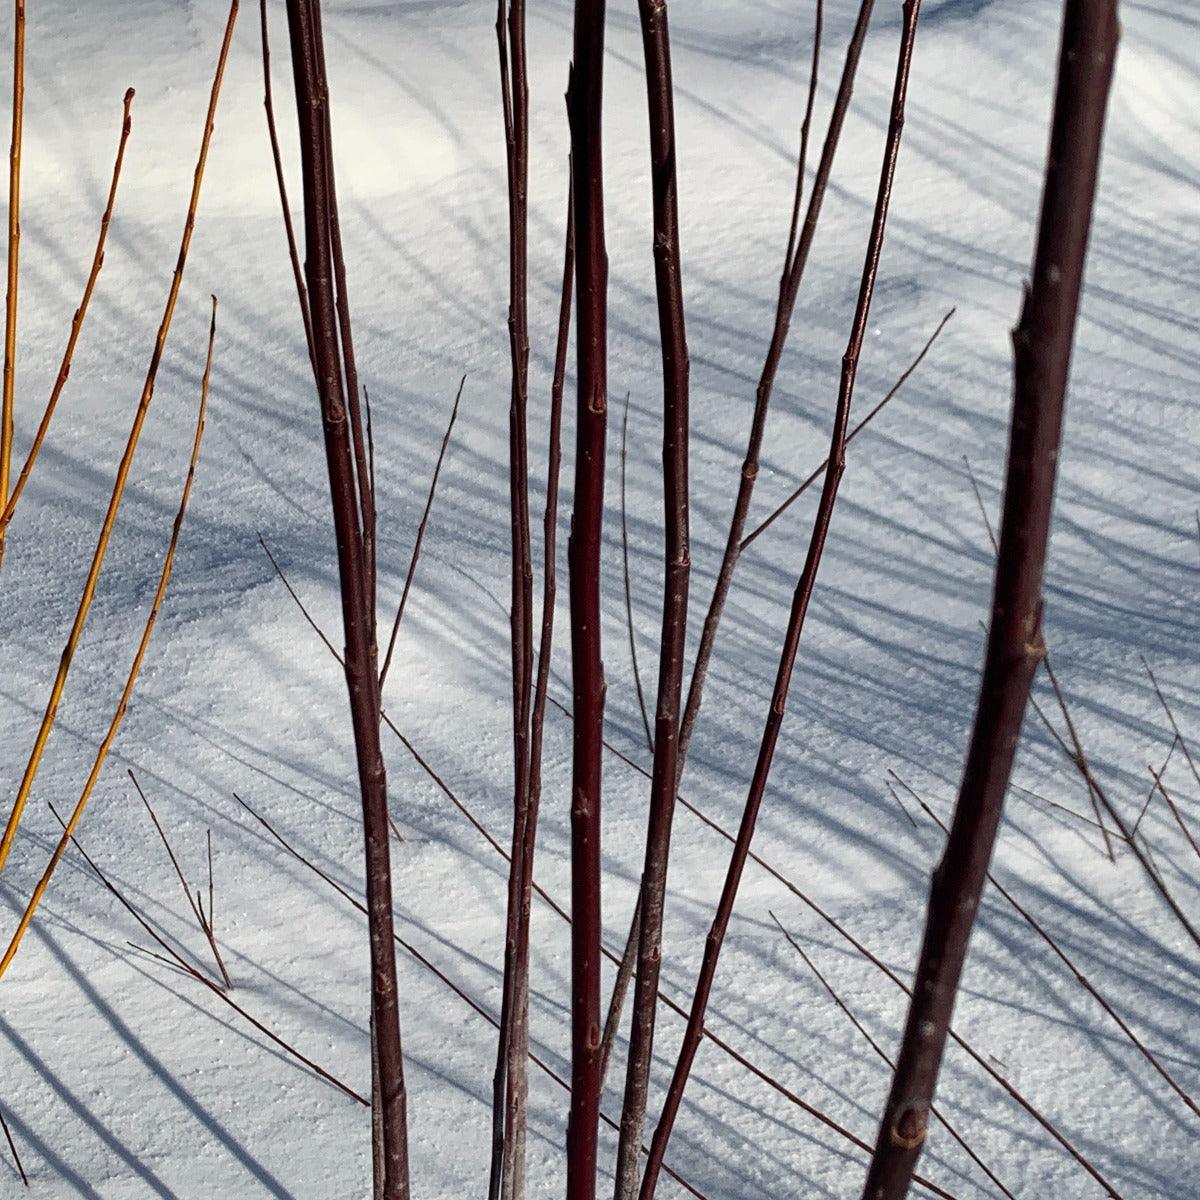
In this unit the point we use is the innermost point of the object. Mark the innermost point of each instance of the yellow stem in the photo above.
(89, 587)
(14, 248)
(131, 679)
(64, 370)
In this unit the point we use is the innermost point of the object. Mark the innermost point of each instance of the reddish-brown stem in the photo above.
(633, 655)
(584, 107)
(565, 916)
(1067, 962)
(420, 538)
(293, 252)
(362, 471)
(347, 492)
(519, 1047)
(510, 1082)
(864, 952)
(800, 603)
(677, 562)
(879, 1050)
(793, 274)
(1042, 355)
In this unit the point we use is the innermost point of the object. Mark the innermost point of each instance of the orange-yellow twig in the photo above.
(14, 248)
(131, 679)
(89, 587)
(64, 370)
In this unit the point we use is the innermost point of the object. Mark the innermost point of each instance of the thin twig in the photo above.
(13, 1148)
(1150, 794)
(289, 228)
(1078, 747)
(183, 965)
(1187, 833)
(1140, 851)
(1077, 755)
(816, 474)
(1187, 754)
(194, 903)
(420, 538)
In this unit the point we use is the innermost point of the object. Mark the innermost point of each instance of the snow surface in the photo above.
(122, 1078)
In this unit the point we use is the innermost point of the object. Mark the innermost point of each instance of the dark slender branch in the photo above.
(982, 1061)
(519, 1045)
(816, 474)
(440, 975)
(800, 603)
(862, 1030)
(565, 916)
(1187, 754)
(1140, 851)
(197, 912)
(351, 394)
(1076, 755)
(1042, 354)
(1073, 733)
(1067, 962)
(351, 504)
(177, 960)
(677, 564)
(584, 108)
(12, 1146)
(1150, 794)
(794, 273)
(281, 181)
(510, 1082)
(420, 538)
(802, 158)
(633, 655)
(1187, 833)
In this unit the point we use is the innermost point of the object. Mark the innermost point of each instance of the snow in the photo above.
(122, 1078)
